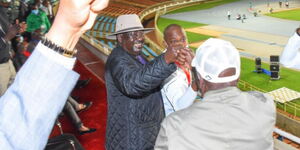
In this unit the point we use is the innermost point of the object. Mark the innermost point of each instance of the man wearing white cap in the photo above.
(290, 57)
(135, 107)
(226, 118)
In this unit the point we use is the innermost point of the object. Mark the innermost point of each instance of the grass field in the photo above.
(289, 78)
(289, 14)
(202, 6)
(162, 23)
(194, 37)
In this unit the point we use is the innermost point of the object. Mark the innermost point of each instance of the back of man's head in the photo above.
(218, 63)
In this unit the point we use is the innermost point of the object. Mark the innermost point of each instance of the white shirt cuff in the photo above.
(56, 57)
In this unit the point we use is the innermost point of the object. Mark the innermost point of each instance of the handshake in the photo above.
(179, 55)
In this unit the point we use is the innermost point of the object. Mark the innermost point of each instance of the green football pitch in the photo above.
(202, 6)
(289, 78)
(289, 14)
(162, 23)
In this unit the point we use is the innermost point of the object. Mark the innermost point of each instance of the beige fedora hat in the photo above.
(128, 23)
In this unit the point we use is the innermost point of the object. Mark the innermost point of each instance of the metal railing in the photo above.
(288, 107)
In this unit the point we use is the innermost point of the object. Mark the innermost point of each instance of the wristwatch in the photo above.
(58, 49)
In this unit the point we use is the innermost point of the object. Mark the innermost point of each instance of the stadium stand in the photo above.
(150, 51)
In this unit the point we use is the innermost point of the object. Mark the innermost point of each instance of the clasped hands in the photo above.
(180, 55)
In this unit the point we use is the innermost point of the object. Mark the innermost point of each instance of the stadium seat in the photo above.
(102, 42)
(145, 53)
(88, 32)
(110, 44)
(115, 20)
(100, 34)
(101, 27)
(101, 18)
(112, 28)
(96, 26)
(105, 19)
(94, 34)
(150, 51)
(107, 27)
(110, 20)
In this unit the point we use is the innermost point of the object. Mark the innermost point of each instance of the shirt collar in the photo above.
(216, 95)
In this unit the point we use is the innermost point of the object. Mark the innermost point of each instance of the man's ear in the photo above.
(119, 38)
(203, 86)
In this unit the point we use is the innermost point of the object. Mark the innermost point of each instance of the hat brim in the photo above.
(113, 35)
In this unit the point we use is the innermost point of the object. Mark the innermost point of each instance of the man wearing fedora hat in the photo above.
(135, 107)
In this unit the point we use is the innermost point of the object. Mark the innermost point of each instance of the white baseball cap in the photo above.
(213, 57)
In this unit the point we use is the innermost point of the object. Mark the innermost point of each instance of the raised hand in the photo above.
(188, 58)
(12, 32)
(73, 18)
(171, 54)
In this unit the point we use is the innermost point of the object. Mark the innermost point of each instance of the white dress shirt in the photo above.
(176, 92)
(290, 56)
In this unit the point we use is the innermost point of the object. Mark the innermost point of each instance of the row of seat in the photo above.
(105, 24)
(114, 11)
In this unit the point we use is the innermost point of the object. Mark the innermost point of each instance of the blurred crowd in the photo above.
(37, 14)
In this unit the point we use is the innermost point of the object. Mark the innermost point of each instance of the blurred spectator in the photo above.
(24, 10)
(280, 4)
(72, 107)
(287, 4)
(228, 14)
(37, 19)
(270, 9)
(28, 109)
(244, 16)
(47, 8)
(7, 33)
(238, 17)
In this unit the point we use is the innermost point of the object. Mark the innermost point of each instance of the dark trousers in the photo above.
(70, 108)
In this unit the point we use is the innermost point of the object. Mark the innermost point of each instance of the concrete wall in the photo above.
(94, 50)
(287, 124)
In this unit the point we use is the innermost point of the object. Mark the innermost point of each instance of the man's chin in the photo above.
(137, 51)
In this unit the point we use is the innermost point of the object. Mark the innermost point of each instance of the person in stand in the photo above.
(7, 33)
(37, 19)
(228, 14)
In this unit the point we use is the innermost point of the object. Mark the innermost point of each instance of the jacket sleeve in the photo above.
(162, 137)
(290, 56)
(135, 81)
(30, 106)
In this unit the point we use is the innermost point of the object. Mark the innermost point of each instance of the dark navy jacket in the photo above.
(135, 106)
